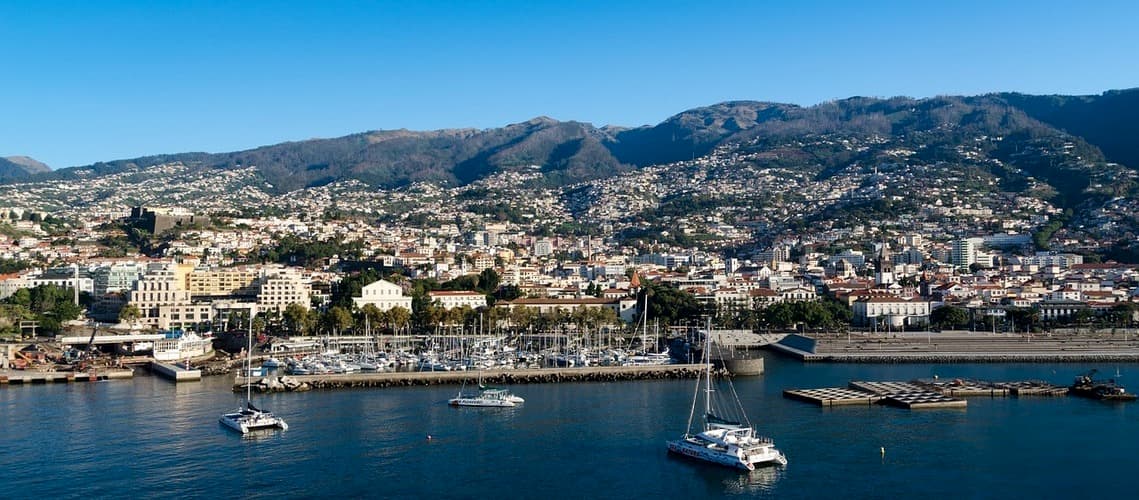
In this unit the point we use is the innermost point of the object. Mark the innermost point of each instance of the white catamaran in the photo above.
(724, 442)
(249, 418)
(487, 396)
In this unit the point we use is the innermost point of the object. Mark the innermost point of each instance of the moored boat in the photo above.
(180, 345)
(486, 398)
(1087, 386)
(724, 442)
(249, 418)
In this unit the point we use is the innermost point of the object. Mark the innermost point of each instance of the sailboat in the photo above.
(644, 357)
(723, 441)
(249, 418)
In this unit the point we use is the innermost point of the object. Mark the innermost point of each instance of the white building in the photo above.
(543, 247)
(163, 302)
(964, 252)
(894, 311)
(451, 299)
(11, 283)
(281, 287)
(385, 295)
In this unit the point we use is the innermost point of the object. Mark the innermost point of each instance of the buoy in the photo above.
(883, 450)
(429, 438)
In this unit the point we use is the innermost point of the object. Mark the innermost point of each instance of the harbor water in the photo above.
(149, 438)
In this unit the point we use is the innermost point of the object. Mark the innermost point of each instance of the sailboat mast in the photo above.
(707, 371)
(645, 323)
(249, 361)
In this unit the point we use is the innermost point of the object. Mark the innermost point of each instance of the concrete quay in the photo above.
(960, 347)
(489, 377)
(175, 372)
(45, 377)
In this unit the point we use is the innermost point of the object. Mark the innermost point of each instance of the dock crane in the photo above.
(91, 341)
(76, 356)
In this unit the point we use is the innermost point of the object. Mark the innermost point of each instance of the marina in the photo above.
(496, 377)
(344, 442)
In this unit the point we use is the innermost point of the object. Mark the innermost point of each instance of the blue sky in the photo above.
(92, 81)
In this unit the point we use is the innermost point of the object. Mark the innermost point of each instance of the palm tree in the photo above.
(129, 314)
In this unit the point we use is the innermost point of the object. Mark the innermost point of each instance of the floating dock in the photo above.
(37, 377)
(922, 400)
(885, 388)
(926, 393)
(176, 372)
(832, 396)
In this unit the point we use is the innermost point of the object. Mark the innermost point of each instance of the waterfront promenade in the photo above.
(955, 347)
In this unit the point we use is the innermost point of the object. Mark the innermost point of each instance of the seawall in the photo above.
(492, 377)
(932, 347)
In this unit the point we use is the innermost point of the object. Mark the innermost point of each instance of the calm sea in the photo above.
(150, 438)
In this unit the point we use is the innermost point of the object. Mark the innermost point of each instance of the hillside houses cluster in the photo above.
(208, 273)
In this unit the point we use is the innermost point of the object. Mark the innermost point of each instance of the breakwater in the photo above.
(493, 377)
(46, 377)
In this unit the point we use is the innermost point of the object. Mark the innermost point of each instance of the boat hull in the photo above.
(487, 403)
(1105, 392)
(696, 450)
(248, 421)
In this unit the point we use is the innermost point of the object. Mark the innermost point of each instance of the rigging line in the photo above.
(735, 395)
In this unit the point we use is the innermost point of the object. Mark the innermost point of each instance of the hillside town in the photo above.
(822, 232)
(211, 268)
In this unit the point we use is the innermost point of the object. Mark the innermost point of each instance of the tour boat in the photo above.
(722, 441)
(249, 418)
(486, 397)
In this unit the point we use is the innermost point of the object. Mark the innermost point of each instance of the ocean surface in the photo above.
(150, 438)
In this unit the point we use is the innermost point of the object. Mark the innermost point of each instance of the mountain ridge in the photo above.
(566, 152)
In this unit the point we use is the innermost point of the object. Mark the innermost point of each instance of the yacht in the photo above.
(251, 418)
(722, 441)
(486, 397)
(178, 345)
(248, 418)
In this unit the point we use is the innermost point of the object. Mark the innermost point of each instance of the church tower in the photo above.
(884, 266)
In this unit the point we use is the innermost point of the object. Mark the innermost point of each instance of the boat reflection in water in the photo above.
(760, 480)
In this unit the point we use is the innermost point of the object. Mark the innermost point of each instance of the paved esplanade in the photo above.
(1103, 345)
